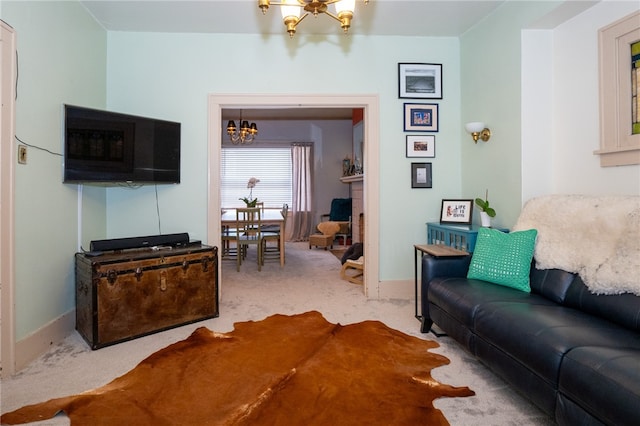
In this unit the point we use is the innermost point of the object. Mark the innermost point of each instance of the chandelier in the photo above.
(291, 10)
(246, 134)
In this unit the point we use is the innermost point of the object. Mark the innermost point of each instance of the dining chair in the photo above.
(271, 233)
(228, 240)
(341, 210)
(248, 232)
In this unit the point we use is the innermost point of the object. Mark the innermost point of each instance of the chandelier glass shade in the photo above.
(246, 133)
(292, 11)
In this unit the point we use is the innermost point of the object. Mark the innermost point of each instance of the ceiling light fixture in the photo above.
(246, 134)
(478, 131)
(291, 10)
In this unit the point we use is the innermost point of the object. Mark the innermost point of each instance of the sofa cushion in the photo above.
(605, 382)
(551, 283)
(461, 297)
(623, 309)
(503, 258)
(539, 336)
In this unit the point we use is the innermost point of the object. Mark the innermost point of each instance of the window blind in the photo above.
(271, 165)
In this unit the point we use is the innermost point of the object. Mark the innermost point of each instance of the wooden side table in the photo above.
(436, 250)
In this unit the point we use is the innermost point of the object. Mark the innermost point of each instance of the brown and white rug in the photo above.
(283, 370)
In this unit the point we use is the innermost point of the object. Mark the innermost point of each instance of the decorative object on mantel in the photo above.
(346, 166)
(486, 212)
(291, 10)
(478, 130)
(250, 201)
(245, 135)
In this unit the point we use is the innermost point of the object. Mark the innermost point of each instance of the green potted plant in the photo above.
(486, 212)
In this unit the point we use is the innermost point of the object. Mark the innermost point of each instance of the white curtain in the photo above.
(302, 200)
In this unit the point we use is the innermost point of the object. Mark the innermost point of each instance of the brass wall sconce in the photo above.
(478, 130)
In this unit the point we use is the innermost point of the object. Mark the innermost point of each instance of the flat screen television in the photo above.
(105, 147)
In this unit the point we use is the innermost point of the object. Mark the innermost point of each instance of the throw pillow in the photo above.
(353, 253)
(502, 258)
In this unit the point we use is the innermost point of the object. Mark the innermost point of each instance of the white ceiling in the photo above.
(379, 17)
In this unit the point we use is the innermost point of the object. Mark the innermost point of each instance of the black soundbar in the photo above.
(173, 240)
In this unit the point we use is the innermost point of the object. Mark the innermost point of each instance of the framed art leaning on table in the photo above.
(456, 212)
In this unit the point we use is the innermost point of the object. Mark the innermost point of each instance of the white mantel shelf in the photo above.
(354, 178)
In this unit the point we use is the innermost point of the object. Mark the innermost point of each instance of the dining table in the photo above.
(267, 217)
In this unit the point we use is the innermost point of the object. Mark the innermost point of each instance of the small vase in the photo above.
(485, 219)
(252, 204)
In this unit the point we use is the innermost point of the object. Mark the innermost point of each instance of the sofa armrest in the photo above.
(433, 267)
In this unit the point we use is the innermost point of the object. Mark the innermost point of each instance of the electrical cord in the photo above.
(158, 210)
(36, 147)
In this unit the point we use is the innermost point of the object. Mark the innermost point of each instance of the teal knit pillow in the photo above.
(502, 258)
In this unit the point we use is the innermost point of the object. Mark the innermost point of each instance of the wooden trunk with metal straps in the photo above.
(132, 293)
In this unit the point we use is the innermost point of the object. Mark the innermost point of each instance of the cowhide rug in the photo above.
(283, 370)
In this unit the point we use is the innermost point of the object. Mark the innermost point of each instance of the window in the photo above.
(271, 165)
(619, 143)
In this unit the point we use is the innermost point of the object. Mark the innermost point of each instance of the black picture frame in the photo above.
(419, 81)
(421, 175)
(421, 117)
(458, 212)
(421, 146)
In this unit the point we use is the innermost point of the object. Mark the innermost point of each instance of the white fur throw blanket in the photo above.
(596, 237)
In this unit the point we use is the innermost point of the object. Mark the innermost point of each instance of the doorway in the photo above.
(370, 104)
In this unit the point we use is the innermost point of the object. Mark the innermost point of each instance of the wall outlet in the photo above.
(22, 154)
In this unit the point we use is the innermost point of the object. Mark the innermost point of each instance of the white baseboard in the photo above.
(38, 342)
(396, 289)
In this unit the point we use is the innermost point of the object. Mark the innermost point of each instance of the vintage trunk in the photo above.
(121, 296)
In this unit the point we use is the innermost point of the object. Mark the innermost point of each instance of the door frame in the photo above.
(7, 190)
(370, 104)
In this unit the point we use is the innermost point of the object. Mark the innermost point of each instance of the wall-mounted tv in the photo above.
(110, 148)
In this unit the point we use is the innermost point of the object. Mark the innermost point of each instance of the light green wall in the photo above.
(61, 59)
(64, 57)
(171, 75)
(491, 92)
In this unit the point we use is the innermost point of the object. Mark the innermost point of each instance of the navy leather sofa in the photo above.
(574, 354)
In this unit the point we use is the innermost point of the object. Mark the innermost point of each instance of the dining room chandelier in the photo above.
(244, 135)
(291, 10)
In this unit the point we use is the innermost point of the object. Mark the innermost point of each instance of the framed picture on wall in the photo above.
(456, 211)
(420, 117)
(421, 175)
(421, 146)
(420, 81)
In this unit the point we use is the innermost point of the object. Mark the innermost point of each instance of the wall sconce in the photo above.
(478, 131)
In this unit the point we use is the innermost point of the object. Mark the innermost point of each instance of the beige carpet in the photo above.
(309, 281)
(338, 253)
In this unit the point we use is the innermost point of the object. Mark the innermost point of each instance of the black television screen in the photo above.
(108, 147)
